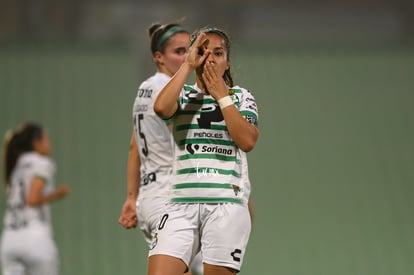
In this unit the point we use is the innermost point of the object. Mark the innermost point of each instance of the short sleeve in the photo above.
(43, 168)
(248, 108)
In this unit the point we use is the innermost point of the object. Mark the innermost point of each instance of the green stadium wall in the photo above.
(332, 173)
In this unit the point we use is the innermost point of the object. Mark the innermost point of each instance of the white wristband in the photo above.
(225, 101)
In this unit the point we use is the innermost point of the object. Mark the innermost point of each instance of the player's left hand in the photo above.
(215, 84)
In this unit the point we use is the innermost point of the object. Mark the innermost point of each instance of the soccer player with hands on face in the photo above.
(215, 124)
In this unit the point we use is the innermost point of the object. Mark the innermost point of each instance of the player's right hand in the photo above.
(128, 218)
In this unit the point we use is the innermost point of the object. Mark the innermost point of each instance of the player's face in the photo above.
(175, 52)
(218, 53)
(42, 145)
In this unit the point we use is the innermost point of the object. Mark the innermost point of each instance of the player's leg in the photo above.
(165, 265)
(45, 260)
(217, 270)
(11, 266)
(149, 211)
(225, 235)
(175, 240)
(38, 251)
(10, 253)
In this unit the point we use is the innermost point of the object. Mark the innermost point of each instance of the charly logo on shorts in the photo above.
(236, 254)
(154, 241)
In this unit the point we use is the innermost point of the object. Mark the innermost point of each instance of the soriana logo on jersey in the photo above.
(209, 149)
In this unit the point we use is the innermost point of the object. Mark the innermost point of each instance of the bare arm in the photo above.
(35, 197)
(128, 217)
(242, 132)
(165, 104)
(133, 172)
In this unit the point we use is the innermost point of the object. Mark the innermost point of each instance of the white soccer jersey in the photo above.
(154, 139)
(209, 165)
(18, 213)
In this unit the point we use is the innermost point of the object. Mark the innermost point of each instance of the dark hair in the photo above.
(17, 142)
(227, 74)
(160, 34)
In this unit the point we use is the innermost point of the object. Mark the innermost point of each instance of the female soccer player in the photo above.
(214, 125)
(27, 244)
(151, 151)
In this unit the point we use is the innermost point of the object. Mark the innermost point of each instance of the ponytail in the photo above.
(17, 142)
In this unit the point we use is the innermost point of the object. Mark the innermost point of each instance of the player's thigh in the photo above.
(177, 232)
(42, 254)
(45, 263)
(11, 266)
(11, 253)
(49, 267)
(165, 265)
(149, 212)
(217, 270)
(225, 234)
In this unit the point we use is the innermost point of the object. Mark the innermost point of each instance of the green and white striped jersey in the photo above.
(209, 166)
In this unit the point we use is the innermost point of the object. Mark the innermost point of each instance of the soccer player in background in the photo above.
(27, 244)
(150, 156)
